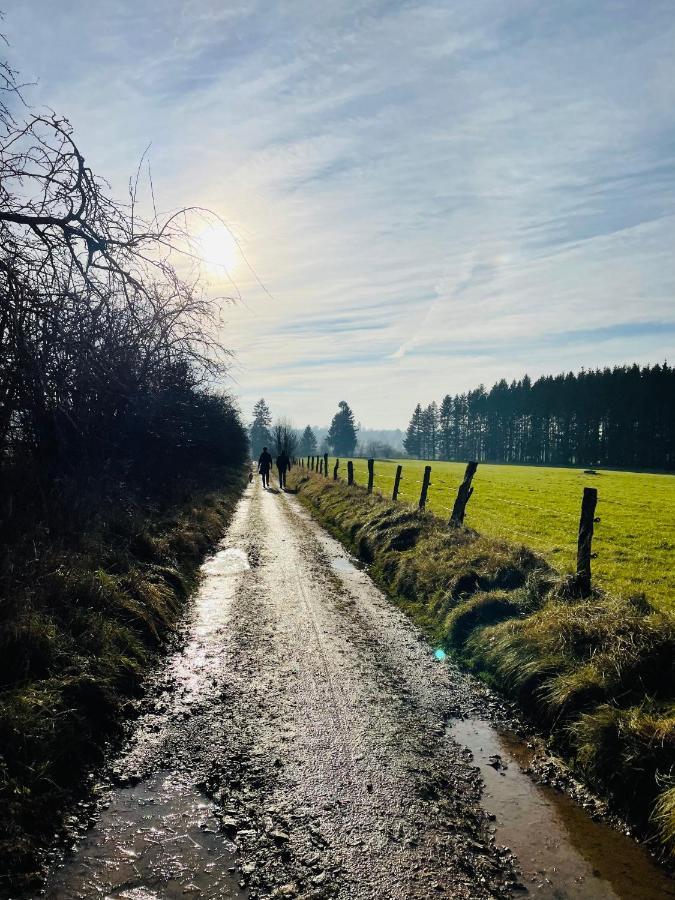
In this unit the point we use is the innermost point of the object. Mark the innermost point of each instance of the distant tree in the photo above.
(284, 437)
(413, 436)
(445, 428)
(260, 428)
(342, 432)
(429, 436)
(307, 443)
(377, 450)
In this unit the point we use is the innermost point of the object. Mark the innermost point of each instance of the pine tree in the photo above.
(307, 442)
(413, 435)
(260, 428)
(342, 432)
(430, 428)
(445, 428)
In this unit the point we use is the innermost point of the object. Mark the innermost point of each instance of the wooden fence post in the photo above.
(371, 475)
(325, 464)
(425, 486)
(321, 465)
(463, 494)
(586, 520)
(397, 481)
(335, 469)
(350, 472)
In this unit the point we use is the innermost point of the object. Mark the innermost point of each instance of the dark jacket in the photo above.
(283, 462)
(265, 462)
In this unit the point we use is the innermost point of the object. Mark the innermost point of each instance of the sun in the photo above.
(218, 249)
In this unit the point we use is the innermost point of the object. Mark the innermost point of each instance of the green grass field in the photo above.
(539, 507)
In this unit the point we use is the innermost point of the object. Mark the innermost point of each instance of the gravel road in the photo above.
(313, 713)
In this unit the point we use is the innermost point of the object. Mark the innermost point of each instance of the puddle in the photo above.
(346, 565)
(563, 854)
(342, 564)
(156, 840)
(231, 561)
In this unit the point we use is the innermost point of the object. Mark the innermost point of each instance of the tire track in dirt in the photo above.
(376, 801)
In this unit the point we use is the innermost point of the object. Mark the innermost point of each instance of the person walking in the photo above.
(283, 465)
(264, 466)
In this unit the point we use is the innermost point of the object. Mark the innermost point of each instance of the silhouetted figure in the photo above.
(264, 466)
(283, 465)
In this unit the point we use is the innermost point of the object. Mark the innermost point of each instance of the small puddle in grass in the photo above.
(562, 852)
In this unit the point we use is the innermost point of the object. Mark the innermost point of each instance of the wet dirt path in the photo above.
(298, 742)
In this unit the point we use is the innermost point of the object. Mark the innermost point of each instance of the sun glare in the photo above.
(218, 249)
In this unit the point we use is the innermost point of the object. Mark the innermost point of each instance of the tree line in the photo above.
(621, 417)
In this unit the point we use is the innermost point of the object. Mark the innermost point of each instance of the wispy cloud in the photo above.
(436, 195)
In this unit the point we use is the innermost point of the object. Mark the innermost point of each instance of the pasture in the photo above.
(539, 507)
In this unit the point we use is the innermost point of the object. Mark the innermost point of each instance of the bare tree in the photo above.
(102, 317)
(285, 437)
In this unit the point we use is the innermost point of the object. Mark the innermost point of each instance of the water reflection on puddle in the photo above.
(156, 840)
(563, 854)
(345, 565)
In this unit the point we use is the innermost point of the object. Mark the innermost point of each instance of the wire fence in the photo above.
(395, 485)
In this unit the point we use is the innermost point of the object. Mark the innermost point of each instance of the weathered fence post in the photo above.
(586, 520)
(321, 465)
(350, 472)
(308, 462)
(397, 481)
(335, 469)
(325, 464)
(371, 475)
(425, 486)
(463, 494)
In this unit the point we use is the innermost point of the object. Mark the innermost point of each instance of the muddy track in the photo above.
(317, 718)
(298, 742)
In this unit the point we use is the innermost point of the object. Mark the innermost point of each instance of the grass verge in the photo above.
(80, 629)
(597, 673)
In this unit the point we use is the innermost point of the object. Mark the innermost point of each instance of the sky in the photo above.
(425, 196)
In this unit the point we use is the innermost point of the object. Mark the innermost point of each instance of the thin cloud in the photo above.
(436, 195)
